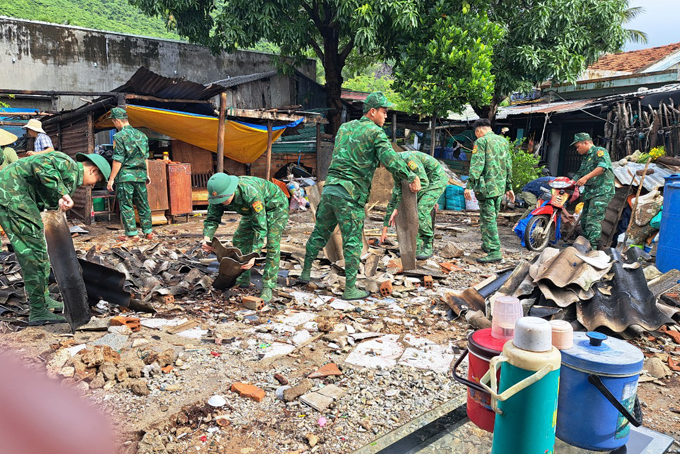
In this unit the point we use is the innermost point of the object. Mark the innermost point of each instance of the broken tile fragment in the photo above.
(326, 371)
(248, 390)
(296, 391)
(332, 391)
(317, 401)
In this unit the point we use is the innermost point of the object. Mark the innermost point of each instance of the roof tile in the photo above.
(634, 61)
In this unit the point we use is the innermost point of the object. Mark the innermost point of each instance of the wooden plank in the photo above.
(407, 226)
(201, 160)
(333, 248)
(268, 171)
(220, 132)
(158, 189)
(275, 116)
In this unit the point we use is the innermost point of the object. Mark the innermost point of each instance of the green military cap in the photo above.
(581, 137)
(220, 187)
(118, 113)
(98, 160)
(376, 100)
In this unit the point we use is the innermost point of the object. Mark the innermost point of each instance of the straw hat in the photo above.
(34, 125)
(6, 138)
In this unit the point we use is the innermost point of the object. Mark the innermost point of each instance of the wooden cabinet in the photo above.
(179, 189)
(158, 191)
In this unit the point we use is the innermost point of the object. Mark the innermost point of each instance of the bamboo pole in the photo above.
(220, 132)
(269, 150)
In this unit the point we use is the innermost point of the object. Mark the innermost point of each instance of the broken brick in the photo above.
(326, 371)
(248, 390)
(167, 369)
(130, 322)
(448, 267)
(167, 299)
(281, 379)
(674, 334)
(296, 391)
(427, 281)
(673, 364)
(386, 289)
(395, 266)
(253, 303)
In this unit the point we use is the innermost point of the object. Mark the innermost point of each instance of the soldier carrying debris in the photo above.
(27, 187)
(433, 180)
(359, 147)
(130, 152)
(264, 210)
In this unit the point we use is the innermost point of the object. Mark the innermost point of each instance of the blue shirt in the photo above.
(535, 186)
(42, 142)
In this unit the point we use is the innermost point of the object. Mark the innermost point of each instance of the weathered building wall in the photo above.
(42, 56)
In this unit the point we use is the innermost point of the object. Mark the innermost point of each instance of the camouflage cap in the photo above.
(220, 187)
(99, 161)
(118, 113)
(581, 137)
(376, 100)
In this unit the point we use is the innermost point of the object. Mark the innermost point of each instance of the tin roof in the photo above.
(624, 175)
(543, 107)
(147, 83)
(240, 80)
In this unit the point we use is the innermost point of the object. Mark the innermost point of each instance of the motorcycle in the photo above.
(545, 220)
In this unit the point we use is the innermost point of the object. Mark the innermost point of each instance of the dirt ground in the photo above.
(172, 414)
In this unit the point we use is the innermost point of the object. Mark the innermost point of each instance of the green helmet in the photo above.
(98, 160)
(220, 187)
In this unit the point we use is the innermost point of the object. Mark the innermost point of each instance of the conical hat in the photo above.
(6, 138)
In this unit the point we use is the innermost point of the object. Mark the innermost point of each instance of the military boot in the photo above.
(266, 294)
(353, 293)
(306, 275)
(491, 258)
(425, 252)
(54, 305)
(40, 315)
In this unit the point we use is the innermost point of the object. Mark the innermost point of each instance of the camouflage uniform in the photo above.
(360, 146)
(131, 149)
(264, 210)
(433, 181)
(596, 193)
(490, 178)
(28, 187)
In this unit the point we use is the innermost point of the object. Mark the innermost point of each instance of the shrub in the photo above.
(525, 166)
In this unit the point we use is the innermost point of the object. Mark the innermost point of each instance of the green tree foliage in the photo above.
(370, 82)
(525, 166)
(549, 40)
(110, 15)
(445, 63)
(332, 29)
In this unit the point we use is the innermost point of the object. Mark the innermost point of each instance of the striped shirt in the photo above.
(42, 142)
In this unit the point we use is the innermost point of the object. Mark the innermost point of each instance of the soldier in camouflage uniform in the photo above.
(264, 210)
(27, 187)
(360, 146)
(130, 152)
(596, 179)
(490, 177)
(433, 181)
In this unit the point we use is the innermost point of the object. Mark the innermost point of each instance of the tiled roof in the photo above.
(634, 61)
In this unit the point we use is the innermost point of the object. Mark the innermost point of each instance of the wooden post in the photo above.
(90, 133)
(318, 146)
(269, 151)
(432, 134)
(220, 132)
(394, 127)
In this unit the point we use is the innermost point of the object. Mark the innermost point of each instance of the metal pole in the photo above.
(269, 150)
(220, 132)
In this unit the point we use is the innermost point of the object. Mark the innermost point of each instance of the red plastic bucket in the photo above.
(481, 348)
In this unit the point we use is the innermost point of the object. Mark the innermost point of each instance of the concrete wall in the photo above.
(42, 56)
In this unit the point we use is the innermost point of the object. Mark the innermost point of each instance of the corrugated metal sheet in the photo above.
(148, 83)
(553, 107)
(652, 182)
(240, 80)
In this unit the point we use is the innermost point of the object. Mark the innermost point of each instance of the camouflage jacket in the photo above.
(428, 169)
(254, 197)
(490, 166)
(602, 184)
(359, 147)
(131, 149)
(37, 182)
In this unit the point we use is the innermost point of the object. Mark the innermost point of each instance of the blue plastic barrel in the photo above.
(668, 250)
(455, 198)
(586, 416)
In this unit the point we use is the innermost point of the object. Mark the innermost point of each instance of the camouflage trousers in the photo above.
(243, 239)
(592, 216)
(427, 199)
(349, 215)
(488, 213)
(28, 240)
(130, 194)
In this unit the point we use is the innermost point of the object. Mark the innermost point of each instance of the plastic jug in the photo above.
(505, 313)
(525, 400)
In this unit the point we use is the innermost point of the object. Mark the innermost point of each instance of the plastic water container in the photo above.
(668, 250)
(506, 311)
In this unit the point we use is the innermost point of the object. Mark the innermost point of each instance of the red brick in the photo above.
(386, 289)
(167, 299)
(427, 281)
(131, 322)
(253, 303)
(448, 267)
(167, 369)
(248, 390)
(326, 371)
(281, 379)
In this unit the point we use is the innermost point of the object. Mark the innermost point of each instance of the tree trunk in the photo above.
(489, 111)
(333, 65)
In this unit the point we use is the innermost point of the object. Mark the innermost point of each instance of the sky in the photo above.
(659, 21)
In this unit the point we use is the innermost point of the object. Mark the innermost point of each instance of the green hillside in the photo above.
(110, 15)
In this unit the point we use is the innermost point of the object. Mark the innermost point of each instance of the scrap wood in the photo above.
(183, 327)
(671, 333)
(673, 364)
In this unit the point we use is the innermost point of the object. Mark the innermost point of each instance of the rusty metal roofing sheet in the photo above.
(654, 181)
(147, 83)
(552, 107)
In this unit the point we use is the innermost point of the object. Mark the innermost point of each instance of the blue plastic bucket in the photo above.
(598, 374)
(668, 250)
